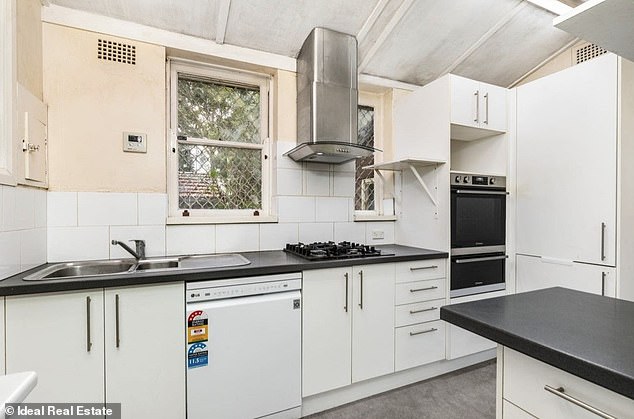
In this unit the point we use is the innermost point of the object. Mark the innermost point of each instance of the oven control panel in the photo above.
(478, 180)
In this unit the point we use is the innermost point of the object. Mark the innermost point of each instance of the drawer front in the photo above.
(419, 291)
(421, 269)
(409, 314)
(419, 344)
(510, 411)
(526, 377)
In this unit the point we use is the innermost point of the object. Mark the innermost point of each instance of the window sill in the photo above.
(221, 220)
(366, 218)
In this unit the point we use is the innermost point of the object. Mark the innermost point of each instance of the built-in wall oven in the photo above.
(478, 233)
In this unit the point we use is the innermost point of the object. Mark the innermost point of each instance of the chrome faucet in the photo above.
(140, 248)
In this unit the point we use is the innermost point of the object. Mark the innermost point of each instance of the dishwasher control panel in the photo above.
(241, 287)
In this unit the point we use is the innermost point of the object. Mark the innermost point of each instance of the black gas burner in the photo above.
(332, 250)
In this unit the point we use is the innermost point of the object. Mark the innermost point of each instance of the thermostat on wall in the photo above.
(135, 142)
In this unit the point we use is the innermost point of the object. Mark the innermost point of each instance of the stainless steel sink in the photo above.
(82, 269)
(89, 269)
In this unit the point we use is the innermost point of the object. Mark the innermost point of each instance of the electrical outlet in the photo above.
(378, 234)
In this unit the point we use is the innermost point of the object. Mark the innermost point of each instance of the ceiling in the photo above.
(413, 41)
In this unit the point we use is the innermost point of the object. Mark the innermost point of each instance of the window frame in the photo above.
(7, 93)
(229, 76)
(374, 101)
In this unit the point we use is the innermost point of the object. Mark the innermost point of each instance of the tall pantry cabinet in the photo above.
(575, 179)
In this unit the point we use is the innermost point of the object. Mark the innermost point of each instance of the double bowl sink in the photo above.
(73, 270)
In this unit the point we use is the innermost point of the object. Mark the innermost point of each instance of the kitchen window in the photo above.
(219, 148)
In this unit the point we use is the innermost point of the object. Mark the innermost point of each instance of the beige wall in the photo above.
(91, 103)
(29, 45)
(285, 106)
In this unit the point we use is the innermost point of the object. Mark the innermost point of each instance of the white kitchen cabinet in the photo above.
(60, 337)
(537, 272)
(567, 163)
(525, 382)
(347, 327)
(476, 105)
(145, 349)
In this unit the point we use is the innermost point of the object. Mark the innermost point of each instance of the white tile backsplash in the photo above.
(191, 239)
(101, 208)
(316, 232)
(152, 208)
(7, 222)
(61, 209)
(154, 237)
(352, 232)
(237, 238)
(293, 209)
(284, 162)
(32, 248)
(274, 236)
(316, 183)
(10, 251)
(289, 182)
(78, 243)
(387, 227)
(39, 202)
(331, 209)
(343, 184)
(24, 208)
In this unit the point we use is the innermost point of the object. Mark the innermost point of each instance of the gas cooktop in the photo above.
(332, 250)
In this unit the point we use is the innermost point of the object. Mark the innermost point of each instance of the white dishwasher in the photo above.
(244, 347)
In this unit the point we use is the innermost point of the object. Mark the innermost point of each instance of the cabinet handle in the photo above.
(422, 310)
(423, 289)
(433, 329)
(418, 268)
(561, 393)
(486, 109)
(345, 307)
(603, 226)
(116, 320)
(603, 275)
(88, 342)
(361, 290)
(477, 106)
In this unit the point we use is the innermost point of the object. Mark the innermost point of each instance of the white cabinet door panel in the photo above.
(566, 163)
(326, 330)
(536, 273)
(465, 101)
(372, 321)
(150, 353)
(60, 337)
(492, 107)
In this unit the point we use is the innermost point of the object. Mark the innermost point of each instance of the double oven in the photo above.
(478, 232)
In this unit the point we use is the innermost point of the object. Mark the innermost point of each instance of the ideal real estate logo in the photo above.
(63, 410)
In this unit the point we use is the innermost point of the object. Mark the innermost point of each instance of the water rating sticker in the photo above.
(197, 327)
(197, 355)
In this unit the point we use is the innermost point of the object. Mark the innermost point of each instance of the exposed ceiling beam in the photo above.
(223, 7)
(494, 29)
(553, 6)
(540, 65)
(371, 20)
(385, 83)
(395, 20)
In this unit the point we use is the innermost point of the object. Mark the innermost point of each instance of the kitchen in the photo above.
(103, 147)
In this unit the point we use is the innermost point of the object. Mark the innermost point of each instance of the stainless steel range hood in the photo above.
(327, 97)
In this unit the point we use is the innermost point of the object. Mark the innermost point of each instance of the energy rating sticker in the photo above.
(197, 356)
(197, 327)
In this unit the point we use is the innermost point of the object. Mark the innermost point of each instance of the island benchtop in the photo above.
(584, 334)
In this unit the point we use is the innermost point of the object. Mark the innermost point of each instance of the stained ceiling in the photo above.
(412, 41)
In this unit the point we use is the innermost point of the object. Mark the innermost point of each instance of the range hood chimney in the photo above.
(327, 97)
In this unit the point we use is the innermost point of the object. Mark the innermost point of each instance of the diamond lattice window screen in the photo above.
(217, 177)
(364, 178)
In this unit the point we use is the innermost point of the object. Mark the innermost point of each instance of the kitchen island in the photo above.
(562, 353)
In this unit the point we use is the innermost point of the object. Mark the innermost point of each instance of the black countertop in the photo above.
(584, 334)
(262, 263)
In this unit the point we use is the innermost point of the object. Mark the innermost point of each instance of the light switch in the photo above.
(134, 142)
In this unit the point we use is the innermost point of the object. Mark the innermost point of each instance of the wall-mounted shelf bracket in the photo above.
(413, 165)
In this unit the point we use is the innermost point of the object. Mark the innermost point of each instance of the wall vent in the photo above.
(116, 51)
(587, 52)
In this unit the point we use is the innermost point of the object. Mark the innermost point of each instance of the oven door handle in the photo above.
(469, 192)
(471, 260)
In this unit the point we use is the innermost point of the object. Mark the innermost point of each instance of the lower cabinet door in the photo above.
(419, 344)
(527, 382)
(145, 350)
(535, 273)
(510, 411)
(463, 343)
(60, 337)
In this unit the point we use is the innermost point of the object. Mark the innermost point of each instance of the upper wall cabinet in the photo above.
(476, 105)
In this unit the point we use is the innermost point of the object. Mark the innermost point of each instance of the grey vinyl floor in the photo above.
(467, 393)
